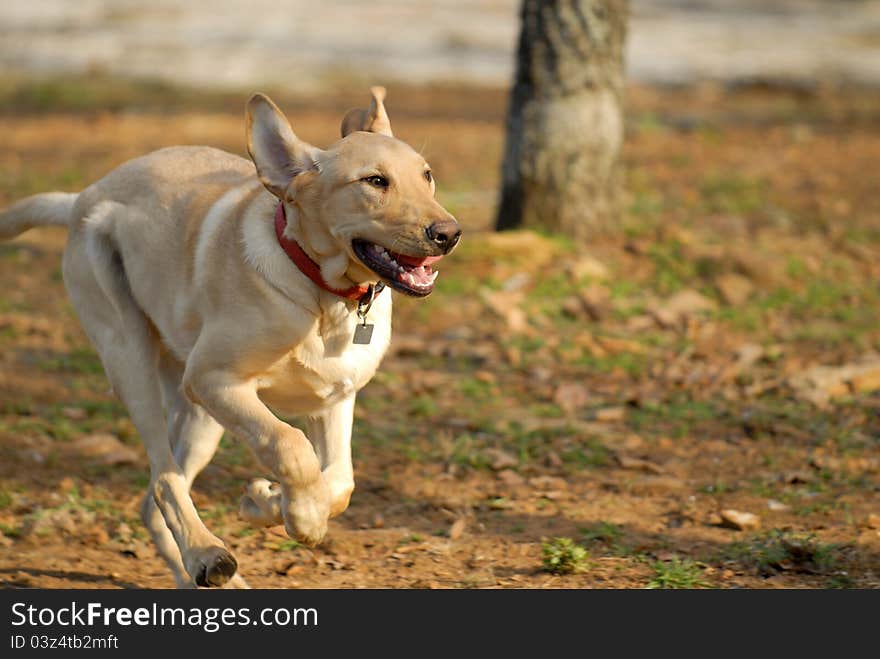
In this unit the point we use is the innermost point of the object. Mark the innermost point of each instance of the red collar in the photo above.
(311, 269)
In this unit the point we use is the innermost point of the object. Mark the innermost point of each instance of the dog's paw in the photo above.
(261, 504)
(306, 514)
(211, 567)
(341, 486)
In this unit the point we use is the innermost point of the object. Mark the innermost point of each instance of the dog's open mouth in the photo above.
(408, 274)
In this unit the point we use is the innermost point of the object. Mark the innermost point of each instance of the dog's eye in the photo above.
(377, 181)
(428, 176)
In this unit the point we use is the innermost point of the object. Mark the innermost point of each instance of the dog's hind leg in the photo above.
(130, 353)
(194, 436)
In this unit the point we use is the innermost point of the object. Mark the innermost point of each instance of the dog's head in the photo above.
(364, 207)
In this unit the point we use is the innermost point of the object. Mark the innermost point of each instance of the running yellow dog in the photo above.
(213, 290)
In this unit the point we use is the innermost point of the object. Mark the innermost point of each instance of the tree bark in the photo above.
(565, 119)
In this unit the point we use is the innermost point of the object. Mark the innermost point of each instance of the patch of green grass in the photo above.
(645, 204)
(624, 288)
(287, 545)
(12, 305)
(423, 406)
(602, 532)
(673, 270)
(23, 407)
(816, 507)
(589, 453)
(841, 581)
(89, 93)
(98, 505)
(563, 556)
(139, 479)
(795, 267)
(10, 531)
(680, 416)
(677, 574)
(76, 361)
(650, 122)
(6, 499)
(64, 429)
(823, 309)
(633, 364)
(501, 503)
(527, 344)
(467, 451)
(474, 389)
(775, 551)
(76, 500)
(218, 511)
(781, 418)
(233, 453)
(734, 194)
(607, 534)
(25, 426)
(762, 488)
(534, 445)
(717, 488)
(450, 286)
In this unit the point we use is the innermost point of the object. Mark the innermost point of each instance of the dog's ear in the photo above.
(273, 146)
(374, 120)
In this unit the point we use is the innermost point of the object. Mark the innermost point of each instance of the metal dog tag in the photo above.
(363, 332)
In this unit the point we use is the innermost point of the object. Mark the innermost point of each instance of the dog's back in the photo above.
(150, 215)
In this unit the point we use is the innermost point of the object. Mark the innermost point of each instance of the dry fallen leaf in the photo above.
(500, 460)
(611, 414)
(680, 306)
(571, 396)
(741, 521)
(105, 449)
(637, 464)
(734, 289)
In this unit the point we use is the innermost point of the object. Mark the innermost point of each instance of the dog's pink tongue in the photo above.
(415, 261)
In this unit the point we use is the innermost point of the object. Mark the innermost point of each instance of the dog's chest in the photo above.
(326, 367)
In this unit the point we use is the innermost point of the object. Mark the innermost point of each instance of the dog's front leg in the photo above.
(280, 448)
(330, 433)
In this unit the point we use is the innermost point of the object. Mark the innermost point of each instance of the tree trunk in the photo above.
(565, 121)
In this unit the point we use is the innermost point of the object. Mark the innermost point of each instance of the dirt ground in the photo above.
(693, 403)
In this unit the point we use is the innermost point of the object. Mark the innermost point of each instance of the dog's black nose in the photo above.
(445, 234)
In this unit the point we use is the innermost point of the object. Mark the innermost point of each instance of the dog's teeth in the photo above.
(433, 276)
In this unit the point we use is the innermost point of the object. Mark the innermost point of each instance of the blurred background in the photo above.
(304, 46)
(689, 400)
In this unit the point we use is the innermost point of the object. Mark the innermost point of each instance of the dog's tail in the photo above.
(47, 209)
